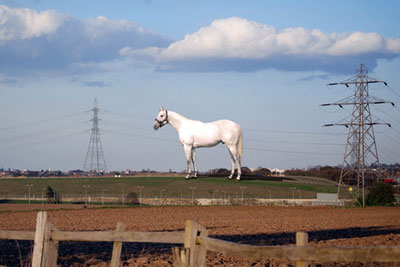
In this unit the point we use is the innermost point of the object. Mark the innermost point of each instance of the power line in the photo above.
(127, 125)
(255, 149)
(391, 138)
(124, 125)
(114, 123)
(41, 121)
(387, 157)
(388, 114)
(285, 132)
(291, 152)
(397, 131)
(127, 115)
(394, 91)
(140, 136)
(43, 141)
(37, 133)
(387, 149)
(293, 142)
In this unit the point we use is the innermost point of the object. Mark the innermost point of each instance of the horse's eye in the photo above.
(162, 116)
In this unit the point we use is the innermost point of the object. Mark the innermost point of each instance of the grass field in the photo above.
(297, 187)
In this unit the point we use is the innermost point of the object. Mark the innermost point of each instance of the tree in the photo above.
(222, 172)
(245, 171)
(381, 194)
(50, 195)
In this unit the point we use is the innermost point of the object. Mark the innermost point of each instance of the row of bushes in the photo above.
(260, 172)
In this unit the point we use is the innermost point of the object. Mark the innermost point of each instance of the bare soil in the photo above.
(255, 225)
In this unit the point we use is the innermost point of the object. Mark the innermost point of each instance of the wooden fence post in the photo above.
(301, 241)
(117, 248)
(197, 254)
(180, 256)
(45, 250)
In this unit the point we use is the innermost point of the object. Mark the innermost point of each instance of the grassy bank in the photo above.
(170, 186)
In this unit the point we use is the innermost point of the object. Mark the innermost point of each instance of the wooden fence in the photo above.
(196, 243)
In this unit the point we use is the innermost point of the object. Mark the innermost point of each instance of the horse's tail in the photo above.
(240, 146)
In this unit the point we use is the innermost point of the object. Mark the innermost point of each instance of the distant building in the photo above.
(278, 172)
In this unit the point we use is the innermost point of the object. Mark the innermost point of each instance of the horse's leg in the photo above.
(233, 167)
(235, 159)
(188, 153)
(233, 163)
(194, 162)
(239, 167)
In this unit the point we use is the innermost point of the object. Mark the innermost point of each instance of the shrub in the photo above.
(381, 194)
(50, 195)
(245, 171)
(132, 199)
(263, 172)
(222, 172)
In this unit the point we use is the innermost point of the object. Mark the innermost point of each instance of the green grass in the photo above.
(167, 186)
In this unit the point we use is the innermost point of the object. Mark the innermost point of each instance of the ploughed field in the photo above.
(255, 225)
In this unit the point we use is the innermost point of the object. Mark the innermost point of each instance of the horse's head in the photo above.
(162, 119)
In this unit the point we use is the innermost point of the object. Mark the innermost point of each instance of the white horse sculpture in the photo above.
(194, 134)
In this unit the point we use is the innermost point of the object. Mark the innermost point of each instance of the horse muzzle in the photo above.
(156, 125)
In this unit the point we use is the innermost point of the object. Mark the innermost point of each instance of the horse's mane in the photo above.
(180, 115)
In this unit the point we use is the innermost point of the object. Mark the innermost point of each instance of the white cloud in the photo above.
(238, 39)
(32, 41)
(146, 52)
(393, 45)
(357, 42)
(35, 42)
(100, 26)
(241, 38)
(229, 38)
(23, 23)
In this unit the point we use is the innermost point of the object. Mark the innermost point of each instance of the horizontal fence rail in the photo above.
(196, 243)
(17, 235)
(100, 236)
(140, 237)
(296, 253)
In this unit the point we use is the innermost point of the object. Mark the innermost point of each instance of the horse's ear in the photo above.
(162, 109)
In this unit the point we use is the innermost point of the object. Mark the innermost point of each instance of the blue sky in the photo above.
(263, 64)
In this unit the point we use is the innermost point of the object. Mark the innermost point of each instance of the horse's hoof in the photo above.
(187, 177)
(238, 179)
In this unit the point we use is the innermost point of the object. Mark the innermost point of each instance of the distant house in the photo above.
(278, 172)
(273, 172)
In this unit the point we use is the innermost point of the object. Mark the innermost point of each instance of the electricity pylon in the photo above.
(95, 161)
(361, 154)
